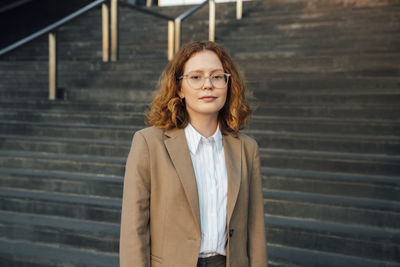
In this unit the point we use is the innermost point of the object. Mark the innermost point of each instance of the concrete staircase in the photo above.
(325, 80)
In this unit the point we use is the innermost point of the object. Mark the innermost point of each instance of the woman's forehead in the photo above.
(204, 61)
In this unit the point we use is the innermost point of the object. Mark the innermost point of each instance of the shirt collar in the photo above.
(193, 137)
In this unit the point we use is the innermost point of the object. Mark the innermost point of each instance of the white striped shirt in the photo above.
(208, 160)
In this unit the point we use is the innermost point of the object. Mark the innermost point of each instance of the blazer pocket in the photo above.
(156, 259)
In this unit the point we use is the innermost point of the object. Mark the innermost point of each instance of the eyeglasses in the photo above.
(196, 80)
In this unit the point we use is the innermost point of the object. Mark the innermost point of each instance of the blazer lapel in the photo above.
(179, 152)
(233, 159)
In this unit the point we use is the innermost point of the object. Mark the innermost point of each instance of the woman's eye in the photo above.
(195, 77)
(218, 77)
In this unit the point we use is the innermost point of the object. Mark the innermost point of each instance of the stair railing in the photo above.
(51, 32)
(175, 24)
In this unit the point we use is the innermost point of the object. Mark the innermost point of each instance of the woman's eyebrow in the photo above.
(202, 71)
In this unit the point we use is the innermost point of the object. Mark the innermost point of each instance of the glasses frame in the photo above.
(227, 75)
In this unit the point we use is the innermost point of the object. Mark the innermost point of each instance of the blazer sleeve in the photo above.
(135, 233)
(257, 246)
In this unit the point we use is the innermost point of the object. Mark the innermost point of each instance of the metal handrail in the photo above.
(146, 10)
(13, 5)
(52, 27)
(189, 12)
(174, 24)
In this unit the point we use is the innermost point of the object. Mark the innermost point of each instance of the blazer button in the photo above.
(231, 232)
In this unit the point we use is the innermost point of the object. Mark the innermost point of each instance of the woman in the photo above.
(192, 190)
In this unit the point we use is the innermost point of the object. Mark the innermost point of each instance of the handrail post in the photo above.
(177, 35)
(105, 29)
(211, 30)
(171, 39)
(239, 9)
(114, 29)
(52, 66)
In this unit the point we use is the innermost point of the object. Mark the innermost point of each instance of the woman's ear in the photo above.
(181, 94)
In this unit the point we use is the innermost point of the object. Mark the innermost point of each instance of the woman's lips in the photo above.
(208, 98)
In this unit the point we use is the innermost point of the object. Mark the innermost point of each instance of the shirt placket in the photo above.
(213, 220)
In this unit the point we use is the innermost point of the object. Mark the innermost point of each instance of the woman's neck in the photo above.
(206, 127)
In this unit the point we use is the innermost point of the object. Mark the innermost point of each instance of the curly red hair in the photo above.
(168, 110)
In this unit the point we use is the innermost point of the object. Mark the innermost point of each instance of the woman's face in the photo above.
(206, 100)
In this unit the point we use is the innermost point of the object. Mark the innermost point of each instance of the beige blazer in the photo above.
(160, 224)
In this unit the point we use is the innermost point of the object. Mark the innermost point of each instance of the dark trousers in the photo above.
(213, 261)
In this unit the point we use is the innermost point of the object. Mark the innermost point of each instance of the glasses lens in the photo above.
(195, 80)
(219, 80)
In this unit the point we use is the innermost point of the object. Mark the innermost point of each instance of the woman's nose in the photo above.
(207, 83)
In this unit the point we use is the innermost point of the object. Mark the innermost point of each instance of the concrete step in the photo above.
(58, 231)
(285, 256)
(126, 119)
(378, 112)
(65, 145)
(35, 254)
(266, 97)
(349, 143)
(315, 83)
(62, 182)
(312, 23)
(79, 67)
(107, 81)
(63, 162)
(309, 44)
(23, 87)
(76, 206)
(350, 163)
(116, 94)
(78, 106)
(61, 130)
(346, 65)
(332, 183)
(324, 125)
(24, 94)
(341, 209)
(346, 239)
